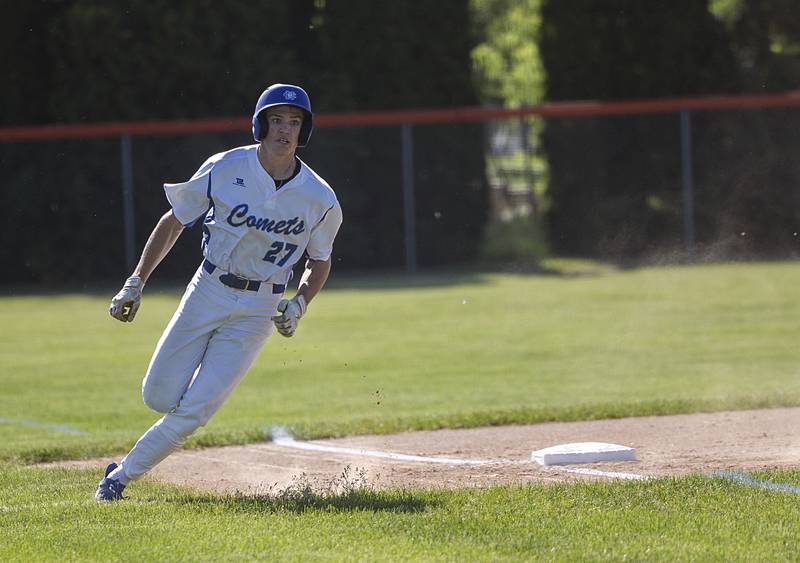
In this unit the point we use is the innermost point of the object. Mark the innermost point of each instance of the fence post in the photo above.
(688, 183)
(407, 150)
(127, 201)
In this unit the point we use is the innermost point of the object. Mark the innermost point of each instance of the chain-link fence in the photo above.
(486, 188)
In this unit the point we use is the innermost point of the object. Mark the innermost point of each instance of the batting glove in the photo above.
(126, 302)
(291, 310)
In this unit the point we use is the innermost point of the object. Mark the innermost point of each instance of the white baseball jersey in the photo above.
(251, 229)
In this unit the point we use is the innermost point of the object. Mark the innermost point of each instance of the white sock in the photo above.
(119, 475)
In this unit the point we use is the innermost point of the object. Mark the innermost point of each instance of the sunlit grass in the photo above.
(390, 353)
(48, 515)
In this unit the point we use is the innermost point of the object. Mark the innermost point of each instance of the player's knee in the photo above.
(157, 401)
(157, 392)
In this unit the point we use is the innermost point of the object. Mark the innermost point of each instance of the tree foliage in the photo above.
(508, 67)
(765, 37)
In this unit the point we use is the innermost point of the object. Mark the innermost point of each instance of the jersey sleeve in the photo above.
(320, 245)
(190, 200)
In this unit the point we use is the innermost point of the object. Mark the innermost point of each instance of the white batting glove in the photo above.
(291, 310)
(126, 302)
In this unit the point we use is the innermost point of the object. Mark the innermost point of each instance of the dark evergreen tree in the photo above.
(615, 182)
(396, 55)
(90, 61)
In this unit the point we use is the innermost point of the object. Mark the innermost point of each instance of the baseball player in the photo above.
(262, 208)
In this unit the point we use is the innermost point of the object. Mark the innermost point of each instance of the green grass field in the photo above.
(383, 354)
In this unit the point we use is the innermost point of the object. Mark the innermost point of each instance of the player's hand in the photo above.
(126, 302)
(291, 310)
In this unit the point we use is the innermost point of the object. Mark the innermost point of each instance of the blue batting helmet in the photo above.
(284, 95)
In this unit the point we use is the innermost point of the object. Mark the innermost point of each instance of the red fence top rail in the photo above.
(374, 118)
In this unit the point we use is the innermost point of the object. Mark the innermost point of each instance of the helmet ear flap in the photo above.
(262, 126)
(305, 130)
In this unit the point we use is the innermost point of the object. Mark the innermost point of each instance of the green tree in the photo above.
(508, 71)
(765, 37)
(507, 66)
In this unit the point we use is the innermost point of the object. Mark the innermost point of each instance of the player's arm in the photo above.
(314, 278)
(158, 245)
(125, 303)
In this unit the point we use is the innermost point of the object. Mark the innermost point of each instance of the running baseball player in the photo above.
(262, 209)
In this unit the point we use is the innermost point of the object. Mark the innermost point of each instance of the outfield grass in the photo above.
(392, 353)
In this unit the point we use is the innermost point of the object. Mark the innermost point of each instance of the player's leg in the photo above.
(178, 354)
(231, 351)
(183, 344)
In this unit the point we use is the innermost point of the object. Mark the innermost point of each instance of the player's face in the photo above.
(284, 128)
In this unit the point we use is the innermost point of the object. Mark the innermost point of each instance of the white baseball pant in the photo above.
(212, 340)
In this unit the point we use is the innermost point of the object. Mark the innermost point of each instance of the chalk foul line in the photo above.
(288, 442)
(62, 428)
(750, 481)
(598, 473)
(35, 507)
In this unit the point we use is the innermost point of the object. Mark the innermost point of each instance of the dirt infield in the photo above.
(665, 445)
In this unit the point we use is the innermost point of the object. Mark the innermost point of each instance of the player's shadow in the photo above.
(303, 501)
